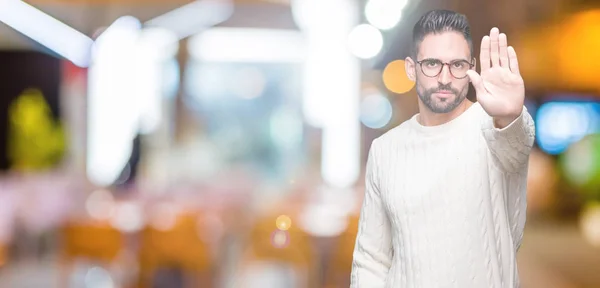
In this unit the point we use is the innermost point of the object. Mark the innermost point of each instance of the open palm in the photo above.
(500, 89)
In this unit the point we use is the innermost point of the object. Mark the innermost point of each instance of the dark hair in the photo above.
(438, 21)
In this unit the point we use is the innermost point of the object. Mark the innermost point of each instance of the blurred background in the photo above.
(215, 143)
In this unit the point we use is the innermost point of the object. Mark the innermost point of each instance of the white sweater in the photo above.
(444, 205)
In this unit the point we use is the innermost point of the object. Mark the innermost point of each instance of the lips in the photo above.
(443, 94)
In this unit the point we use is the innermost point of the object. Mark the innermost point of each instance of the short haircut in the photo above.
(438, 21)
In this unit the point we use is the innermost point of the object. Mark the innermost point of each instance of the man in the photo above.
(445, 192)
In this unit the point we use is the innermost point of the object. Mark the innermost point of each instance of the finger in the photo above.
(476, 81)
(513, 61)
(502, 45)
(494, 50)
(484, 53)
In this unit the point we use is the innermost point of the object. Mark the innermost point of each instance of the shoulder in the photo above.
(391, 138)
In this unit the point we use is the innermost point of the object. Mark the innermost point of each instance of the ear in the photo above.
(409, 67)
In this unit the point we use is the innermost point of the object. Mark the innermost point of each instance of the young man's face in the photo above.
(441, 91)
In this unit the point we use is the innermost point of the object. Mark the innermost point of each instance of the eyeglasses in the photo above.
(433, 67)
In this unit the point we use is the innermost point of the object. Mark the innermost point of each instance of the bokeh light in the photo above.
(590, 223)
(384, 14)
(375, 111)
(98, 277)
(581, 163)
(283, 222)
(365, 41)
(286, 128)
(395, 78)
(100, 204)
(128, 217)
(280, 239)
(559, 124)
(248, 83)
(164, 216)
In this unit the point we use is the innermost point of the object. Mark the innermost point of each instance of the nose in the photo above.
(445, 77)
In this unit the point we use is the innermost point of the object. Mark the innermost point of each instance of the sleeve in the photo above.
(512, 144)
(510, 148)
(372, 255)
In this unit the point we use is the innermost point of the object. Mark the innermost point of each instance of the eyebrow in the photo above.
(451, 61)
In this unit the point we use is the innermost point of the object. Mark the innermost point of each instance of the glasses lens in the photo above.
(431, 67)
(459, 68)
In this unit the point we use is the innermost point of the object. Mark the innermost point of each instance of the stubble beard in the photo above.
(441, 106)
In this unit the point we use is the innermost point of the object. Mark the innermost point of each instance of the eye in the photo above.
(459, 65)
(432, 63)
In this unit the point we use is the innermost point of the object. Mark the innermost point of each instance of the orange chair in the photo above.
(340, 262)
(3, 254)
(177, 246)
(292, 247)
(95, 241)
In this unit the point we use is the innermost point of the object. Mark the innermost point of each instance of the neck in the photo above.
(428, 118)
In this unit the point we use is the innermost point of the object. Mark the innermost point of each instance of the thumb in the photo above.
(477, 81)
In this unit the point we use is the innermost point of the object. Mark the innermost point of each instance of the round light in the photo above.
(560, 124)
(280, 239)
(98, 277)
(100, 205)
(375, 111)
(581, 164)
(286, 128)
(365, 41)
(384, 14)
(589, 223)
(128, 217)
(283, 222)
(250, 82)
(395, 78)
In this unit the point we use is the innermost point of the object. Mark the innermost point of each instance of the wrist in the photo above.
(503, 121)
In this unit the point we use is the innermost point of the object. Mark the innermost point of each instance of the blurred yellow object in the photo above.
(589, 223)
(283, 222)
(395, 78)
(177, 246)
(340, 262)
(95, 240)
(562, 55)
(35, 140)
(291, 247)
(268, 242)
(3, 256)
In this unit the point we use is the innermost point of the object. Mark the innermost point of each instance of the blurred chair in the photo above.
(291, 251)
(178, 246)
(3, 254)
(339, 267)
(98, 242)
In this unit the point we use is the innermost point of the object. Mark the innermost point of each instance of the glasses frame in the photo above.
(471, 65)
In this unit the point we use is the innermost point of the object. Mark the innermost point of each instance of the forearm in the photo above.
(510, 139)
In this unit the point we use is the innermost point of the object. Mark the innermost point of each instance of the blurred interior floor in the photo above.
(556, 256)
(552, 256)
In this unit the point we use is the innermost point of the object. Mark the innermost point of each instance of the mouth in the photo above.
(444, 93)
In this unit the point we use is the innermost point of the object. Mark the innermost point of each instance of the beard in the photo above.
(441, 106)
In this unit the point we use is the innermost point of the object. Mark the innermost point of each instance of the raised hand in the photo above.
(500, 89)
